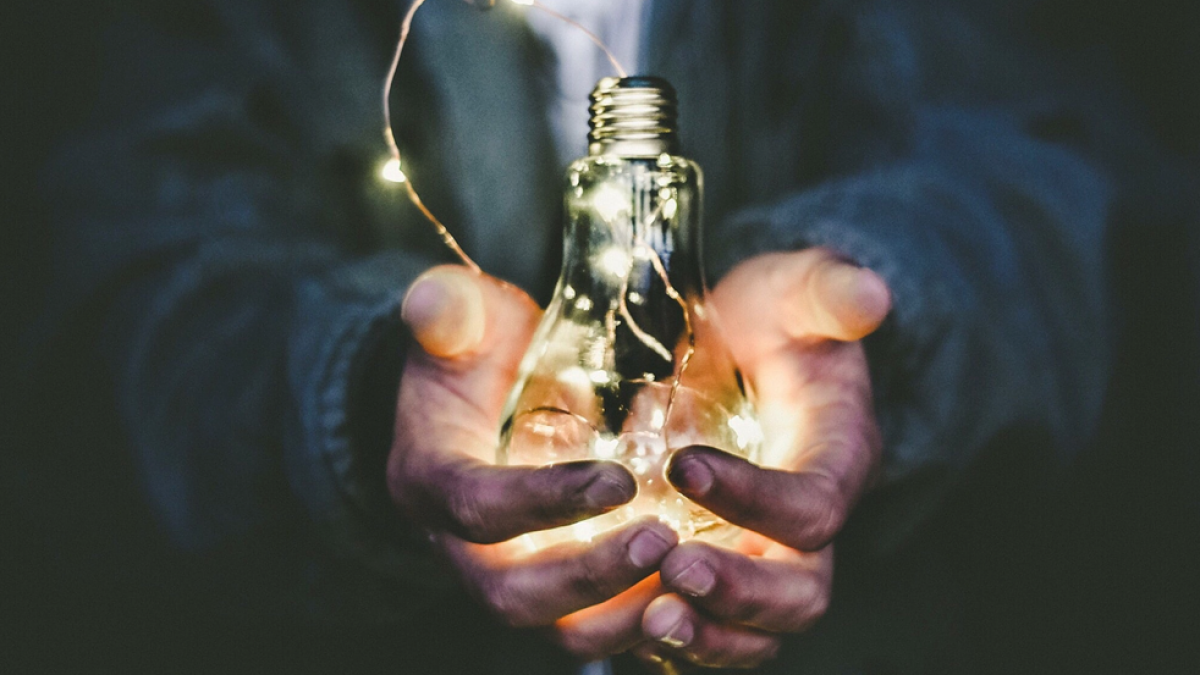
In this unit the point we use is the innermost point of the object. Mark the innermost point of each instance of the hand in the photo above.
(471, 331)
(793, 321)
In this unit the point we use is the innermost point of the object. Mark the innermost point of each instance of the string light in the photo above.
(392, 171)
(591, 36)
(615, 262)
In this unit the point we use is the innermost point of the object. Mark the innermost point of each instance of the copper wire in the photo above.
(592, 36)
(448, 238)
(389, 137)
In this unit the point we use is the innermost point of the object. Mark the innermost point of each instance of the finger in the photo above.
(673, 622)
(813, 396)
(785, 592)
(485, 504)
(446, 418)
(611, 627)
(805, 294)
(843, 301)
(454, 403)
(546, 585)
(801, 509)
(444, 309)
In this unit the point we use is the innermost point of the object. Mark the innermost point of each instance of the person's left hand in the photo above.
(793, 321)
(469, 332)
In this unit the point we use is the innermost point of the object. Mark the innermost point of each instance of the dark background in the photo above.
(1095, 572)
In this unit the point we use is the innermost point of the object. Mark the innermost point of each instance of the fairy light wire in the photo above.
(397, 174)
(394, 150)
(405, 26)
(591, 36)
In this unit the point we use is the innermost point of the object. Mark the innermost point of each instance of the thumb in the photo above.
(802, 295)
(471, 330)
(444, 309)
(843, 301)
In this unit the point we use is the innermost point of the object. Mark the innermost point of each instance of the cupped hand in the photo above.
(793, 321)
(470, 331)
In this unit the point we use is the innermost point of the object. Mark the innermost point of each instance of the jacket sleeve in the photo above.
(972, 176)
(210, 215)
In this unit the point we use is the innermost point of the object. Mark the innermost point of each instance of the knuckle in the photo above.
(813, 605)
(404, 486)
(819, 604)
(736, 603)
(768, 652)
(595, 582)
(714, 655)
(503, 603)
(577, 643)
(558, 493)
(732, 653)
(468, 515)
(825, 514)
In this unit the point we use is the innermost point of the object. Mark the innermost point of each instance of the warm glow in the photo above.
(610, 202)
(527, 3)
(616, 262)
(669, 208)
(747, 430)
(606, 448)
(391, 171)
(585, 530)
(640, 465)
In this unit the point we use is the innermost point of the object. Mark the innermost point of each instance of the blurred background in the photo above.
(1097, 573)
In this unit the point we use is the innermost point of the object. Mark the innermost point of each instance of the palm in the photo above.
(792, 322)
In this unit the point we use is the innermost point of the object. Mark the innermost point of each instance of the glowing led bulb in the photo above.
(611, 202)
(616, 262)
(607, 376)
(392, 172)
(747, 429)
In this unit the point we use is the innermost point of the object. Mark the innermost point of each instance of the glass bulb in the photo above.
(628, 363)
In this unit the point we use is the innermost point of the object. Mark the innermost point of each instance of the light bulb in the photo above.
(627, 363)
(392, 172)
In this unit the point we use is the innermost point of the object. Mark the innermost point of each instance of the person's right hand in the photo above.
(470, 332)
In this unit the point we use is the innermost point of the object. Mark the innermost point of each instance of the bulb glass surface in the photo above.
(627, 363)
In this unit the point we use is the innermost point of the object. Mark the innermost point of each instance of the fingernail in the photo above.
(691, 476)
(857, 298)
(444, 309)
(696, 579)
(668, 623)
(870, 294)
(606, 491)
(647, 548)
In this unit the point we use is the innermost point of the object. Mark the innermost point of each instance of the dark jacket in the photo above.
(225, 250)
